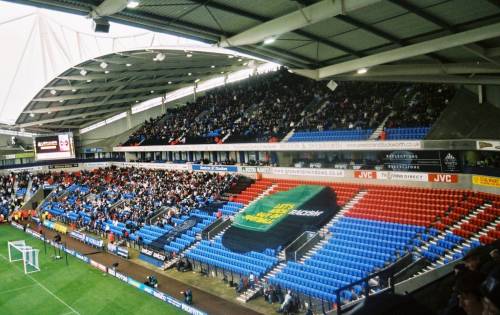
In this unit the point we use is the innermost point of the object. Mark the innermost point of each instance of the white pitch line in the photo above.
(43, 287)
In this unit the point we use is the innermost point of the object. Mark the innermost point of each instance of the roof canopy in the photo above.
(57, 74)
(453, 41)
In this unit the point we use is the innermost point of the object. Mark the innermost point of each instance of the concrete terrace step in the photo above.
(170, 263)
(249, 294)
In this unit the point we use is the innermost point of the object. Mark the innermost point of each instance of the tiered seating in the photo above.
(4, 210)
(117, 227)
(343, 191)
(379, 228)
(439, 249)
(492, 214)
(404, 205)
(149, 233)
(230, 208)
(253, 191)
(477, 222)
(153, 234)
(186, 239)
(180, 243)
(53, 208)
(72, 193)
(492, 235)
(357, 248)
(215, 254)
(406, 133)
(456, 212)
(331, 135)
(466, 234)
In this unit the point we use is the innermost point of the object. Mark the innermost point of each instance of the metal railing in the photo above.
(216, 227)
(301, 245)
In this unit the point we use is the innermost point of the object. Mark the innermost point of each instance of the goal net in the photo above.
(19, 251)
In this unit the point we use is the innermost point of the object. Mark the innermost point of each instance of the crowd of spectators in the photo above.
(257, 109)
(421, 105)
(132, 195)
(7, 201)
(13, 188)
(485, 160)
(266, 107)
(353, 105)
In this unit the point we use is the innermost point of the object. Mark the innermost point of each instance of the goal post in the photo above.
(31, 260)
(18, 250)
(15, 254)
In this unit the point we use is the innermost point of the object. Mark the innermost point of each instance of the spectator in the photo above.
(490, 289)
(308, 309)
(477, 258)
(188, 296)
(469, 296)
(287, 303)
(251, 281)
(241, 286)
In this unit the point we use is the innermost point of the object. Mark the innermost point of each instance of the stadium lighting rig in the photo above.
(132, 4)
(269, 40)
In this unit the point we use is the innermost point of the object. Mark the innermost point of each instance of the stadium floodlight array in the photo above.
(18, 250)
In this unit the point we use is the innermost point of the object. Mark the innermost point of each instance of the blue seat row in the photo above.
(406, 133)
(415, 130)
(216, 254)
(357, 248)
(331, 135)
(318, 294)
(231, 208)
(327, 138)
(334, 274)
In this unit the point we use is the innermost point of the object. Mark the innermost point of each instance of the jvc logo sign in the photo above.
(443, 178)
(365, 174)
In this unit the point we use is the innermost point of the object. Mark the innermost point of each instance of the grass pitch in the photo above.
(59, 289)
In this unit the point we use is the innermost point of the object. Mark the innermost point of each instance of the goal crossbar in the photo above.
(18, 250)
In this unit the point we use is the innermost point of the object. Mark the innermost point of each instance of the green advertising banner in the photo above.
(269, 211)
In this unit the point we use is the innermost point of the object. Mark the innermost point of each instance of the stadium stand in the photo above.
(121, 200)
(375, 228)
(13, 189)
(267, 113)
(385, 224)
(351, 112)
(369, 238)
(333, 157)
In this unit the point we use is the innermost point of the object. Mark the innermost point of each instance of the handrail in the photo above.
(160, 212)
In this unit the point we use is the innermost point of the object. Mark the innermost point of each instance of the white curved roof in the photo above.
(39, 45)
